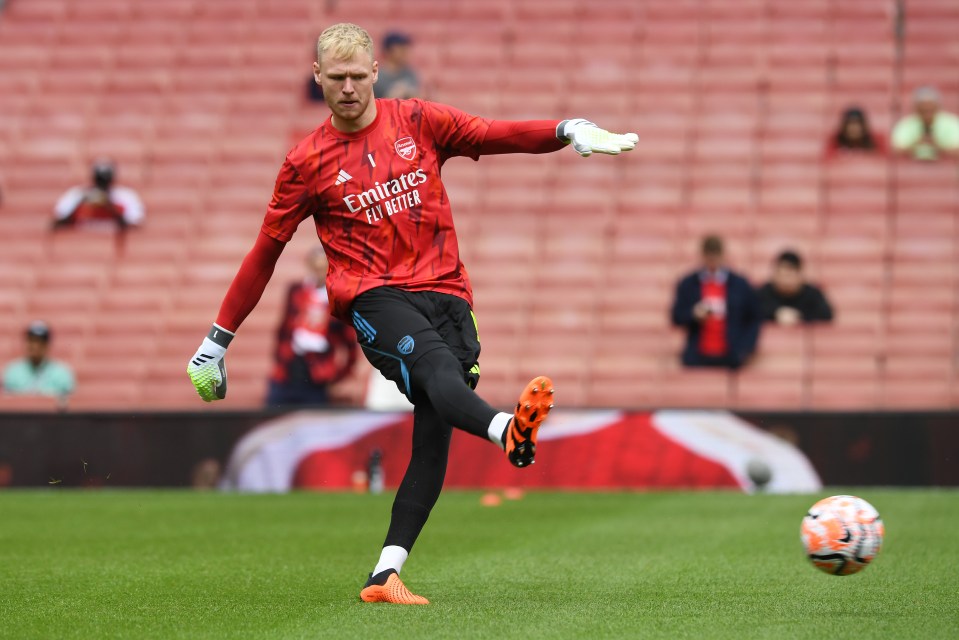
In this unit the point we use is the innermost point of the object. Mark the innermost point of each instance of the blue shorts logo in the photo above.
(405, 345)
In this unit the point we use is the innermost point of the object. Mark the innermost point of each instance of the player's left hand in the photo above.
(207, 369)
(587, 139)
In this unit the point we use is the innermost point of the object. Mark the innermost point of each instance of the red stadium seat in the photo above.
(734, 103)
(755, 389)
(695, 388)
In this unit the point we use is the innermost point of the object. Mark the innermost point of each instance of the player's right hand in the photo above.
(207, 368)
(586, 138)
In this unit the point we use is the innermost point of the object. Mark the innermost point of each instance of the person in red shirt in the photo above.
(719, 310)
(313, 349)
(854, 136)
(369, 177)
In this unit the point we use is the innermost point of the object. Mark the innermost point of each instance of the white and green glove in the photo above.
(588, 139)
(207, 369)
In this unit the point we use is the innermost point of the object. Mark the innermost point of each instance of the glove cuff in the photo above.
(220, 336)
(563, 128)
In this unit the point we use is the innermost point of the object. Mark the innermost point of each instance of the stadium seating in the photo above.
(198, 100)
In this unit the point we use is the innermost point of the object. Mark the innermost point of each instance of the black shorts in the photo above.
(396, 328)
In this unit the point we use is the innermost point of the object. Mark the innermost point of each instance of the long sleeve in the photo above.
(768, 302)
(821, 310)
(460, 134)
(529, 136)
(67, 205)
(250, 282)
(752, 319)
(682, 312)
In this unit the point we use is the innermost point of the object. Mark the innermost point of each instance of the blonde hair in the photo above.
(343, 40)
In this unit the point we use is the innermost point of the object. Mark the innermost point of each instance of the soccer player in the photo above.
(370, 179)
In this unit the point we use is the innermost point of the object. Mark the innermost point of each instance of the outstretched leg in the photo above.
(437, 373)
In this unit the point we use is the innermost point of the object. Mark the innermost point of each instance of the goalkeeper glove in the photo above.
(207, 369)
(587, 138)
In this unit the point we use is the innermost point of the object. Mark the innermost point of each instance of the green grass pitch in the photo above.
(139, 564)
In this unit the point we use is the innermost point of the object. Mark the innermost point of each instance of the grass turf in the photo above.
(138, 564)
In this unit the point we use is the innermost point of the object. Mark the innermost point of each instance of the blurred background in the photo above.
(739, 105)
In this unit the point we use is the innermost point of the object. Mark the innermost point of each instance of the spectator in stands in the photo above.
(100, 205)
(788, 299)
(929, 133)
(396, 78)
(719, 310)
(313, 349)
(36, 373)
(854, 135)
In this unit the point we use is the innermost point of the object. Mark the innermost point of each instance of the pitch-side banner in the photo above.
(577, 450)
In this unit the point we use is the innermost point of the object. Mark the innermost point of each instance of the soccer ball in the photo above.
(842, 534)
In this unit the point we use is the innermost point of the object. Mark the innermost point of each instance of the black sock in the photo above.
(411, 508)
(423, 480)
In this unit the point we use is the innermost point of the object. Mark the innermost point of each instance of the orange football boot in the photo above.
(533, 406)
(394, 592)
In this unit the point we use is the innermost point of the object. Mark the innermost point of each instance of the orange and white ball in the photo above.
(842, 534)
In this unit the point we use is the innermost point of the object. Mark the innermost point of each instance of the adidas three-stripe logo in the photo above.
(202, 359)
(343, 177)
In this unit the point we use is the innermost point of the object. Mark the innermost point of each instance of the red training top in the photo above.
(378, 202)
(712, 340)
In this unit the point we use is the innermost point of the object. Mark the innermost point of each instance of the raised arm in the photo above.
(544, 136)
(458, 133)
(527, 136)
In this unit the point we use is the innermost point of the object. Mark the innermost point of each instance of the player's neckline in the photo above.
(358, 133)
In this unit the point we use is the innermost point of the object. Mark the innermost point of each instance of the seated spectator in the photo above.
(788, 299)
(36, 373)
(396, 78)
(313, 349)
(719, 310)
(100, 205)
(929, 133)
(854, 135)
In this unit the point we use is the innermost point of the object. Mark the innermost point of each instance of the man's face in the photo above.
(927, 110)
(36, 349)
(712, 261)
(787, 279)
(399, 55)
(347, 87)
(854, 130)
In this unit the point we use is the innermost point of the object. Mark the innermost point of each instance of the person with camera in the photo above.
(102, 204)
(719, 310)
